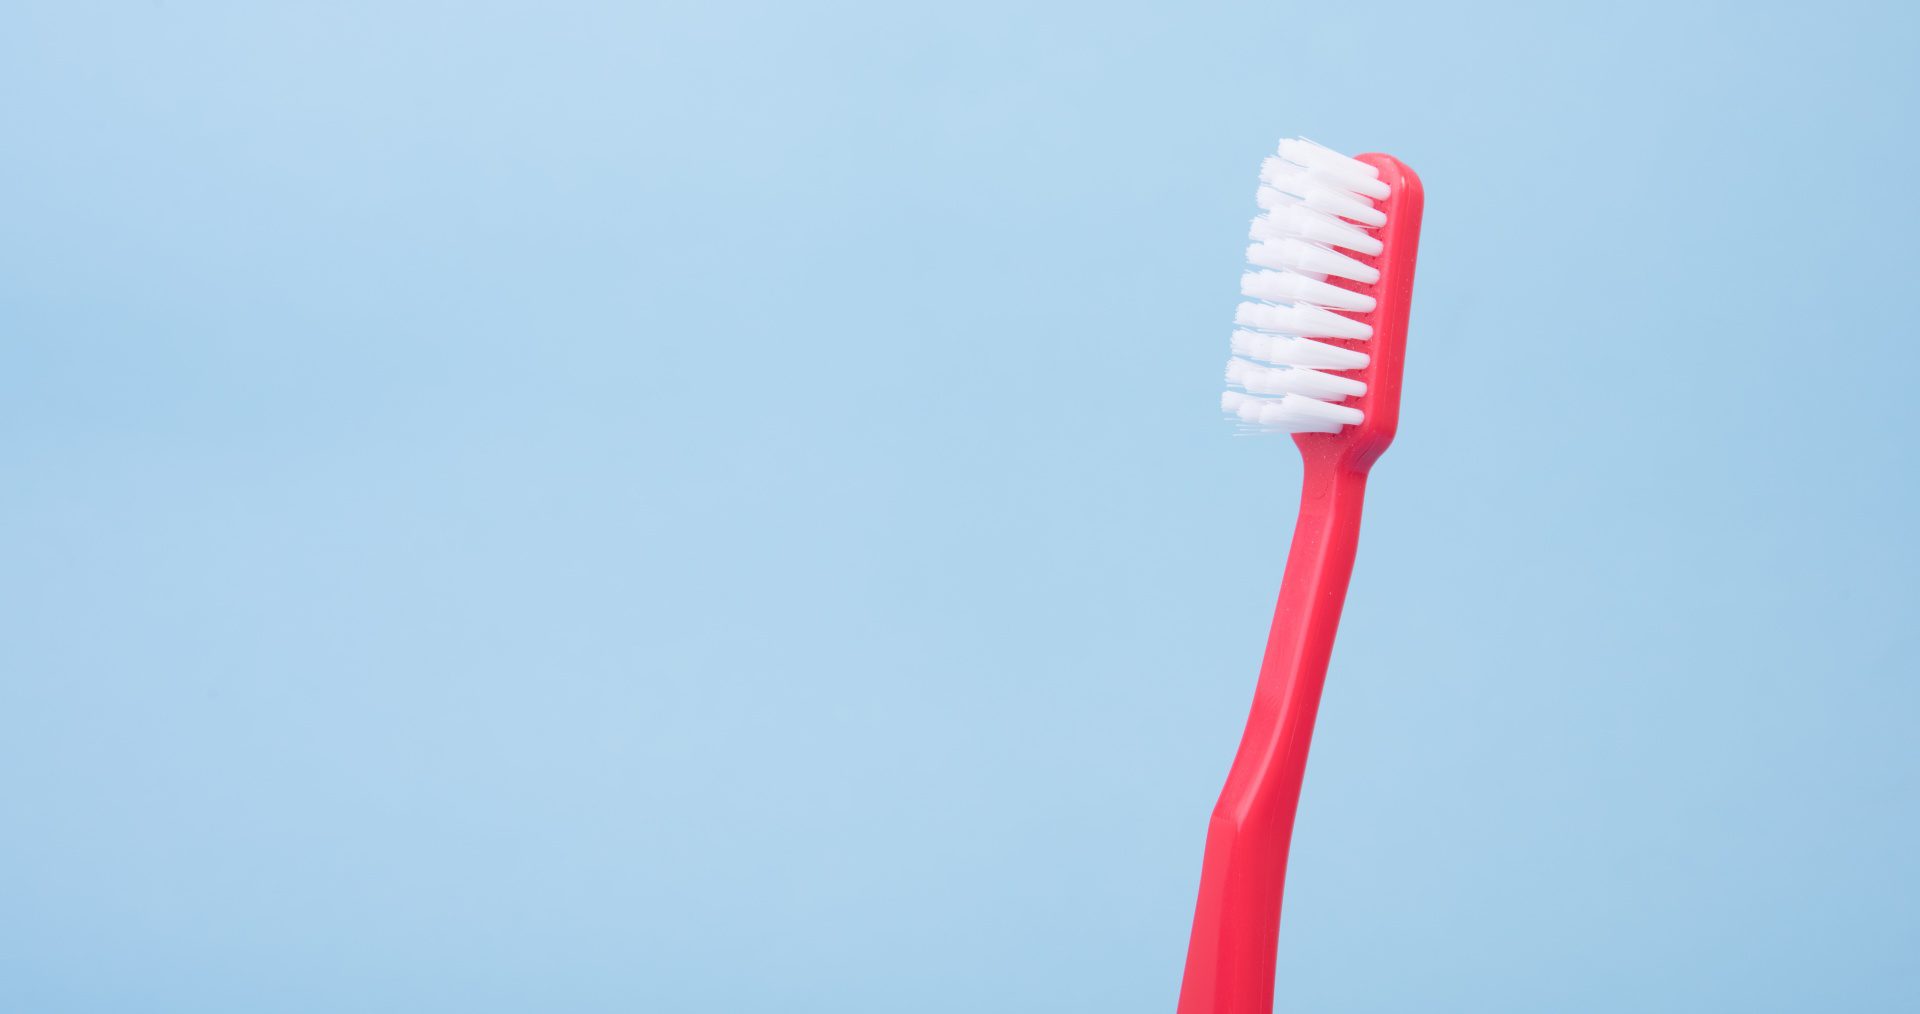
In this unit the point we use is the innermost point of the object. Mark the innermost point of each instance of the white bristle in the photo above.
(1289, 413)
(1294, 287)
(1256, 379)
(1302, 320)
(1350, 173)
(1318, 206)
(1294, 185)
(1300, 222)
(1283, 350)
(1294, 254)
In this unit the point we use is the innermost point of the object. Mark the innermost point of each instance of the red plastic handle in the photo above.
(1236, 924)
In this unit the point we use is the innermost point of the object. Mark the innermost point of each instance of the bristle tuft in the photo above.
(1318, 210)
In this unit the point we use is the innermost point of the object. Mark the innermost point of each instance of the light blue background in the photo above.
(559, 507)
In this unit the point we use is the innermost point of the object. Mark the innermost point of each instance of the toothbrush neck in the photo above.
(1237, 921)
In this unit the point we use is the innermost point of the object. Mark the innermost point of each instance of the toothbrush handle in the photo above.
(1236, 924)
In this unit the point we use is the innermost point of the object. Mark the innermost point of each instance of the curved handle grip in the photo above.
(1236, 925)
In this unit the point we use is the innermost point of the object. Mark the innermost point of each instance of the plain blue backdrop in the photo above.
(712, 507)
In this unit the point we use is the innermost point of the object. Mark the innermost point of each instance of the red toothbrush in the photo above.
(1319, 356)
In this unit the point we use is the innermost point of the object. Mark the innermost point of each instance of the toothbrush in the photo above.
(1317, 354)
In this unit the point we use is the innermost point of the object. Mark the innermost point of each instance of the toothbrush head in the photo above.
(1322, 335)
